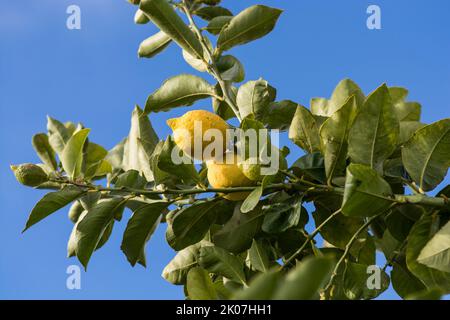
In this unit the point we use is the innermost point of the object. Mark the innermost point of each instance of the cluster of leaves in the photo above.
(362, 156)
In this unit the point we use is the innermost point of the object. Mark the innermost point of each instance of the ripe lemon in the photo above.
(184, 133)
(228, 175)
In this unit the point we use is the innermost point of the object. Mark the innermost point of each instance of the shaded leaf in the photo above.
(153, 45)
(43, 149)
(280, 114)
(254, 97)
(259, 259)
(209, 13)
(58, 135)
(72, 155)
(304, 131)
(219, 261)
(436, 253)
(216, 24)
(199, 285)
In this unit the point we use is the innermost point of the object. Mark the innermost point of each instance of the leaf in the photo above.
(199, 285)
(230, 68)
(254, 97)
(343, 91)
(366, 193)
(426, 155)
(94, 160)
(219, 261)
(250, 24)
(139, 229)
(326, 205)
(407, 130)
(312, 165)
(177, 269)
(216, 24)
(43, 149)
(91, 228)
(140, 144)
(209, 13)
(408, 111)
(403, 281)
(428, 294)
(115, 155)
(153, 45)
(374, 134)
(221, 108)
(259, 259)
(58, 135)
(130, 179)
(333, 136)
(185, 170)
(72, 155)
(398, 94)
(237, 234)
(304, 131)
(421, 233)
(279, 217)
(252, 199)
(191, 224)
(161, 13)
(52, 202)
(181, 90)
(140, 17)
(280, 114)
(262, 287)
(303, 282)
(356, 281)
(436, 253)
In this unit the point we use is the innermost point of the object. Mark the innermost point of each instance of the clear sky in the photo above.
(93, 75)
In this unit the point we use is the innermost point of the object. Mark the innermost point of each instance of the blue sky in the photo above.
(93, 75)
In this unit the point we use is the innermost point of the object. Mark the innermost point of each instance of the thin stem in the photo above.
(311, 237)
(349, 246)
(212, 66)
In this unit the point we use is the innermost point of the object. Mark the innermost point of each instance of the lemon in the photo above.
(184, 133)
(228, 175)
(30, 174)
(251, 167)
(75, 211)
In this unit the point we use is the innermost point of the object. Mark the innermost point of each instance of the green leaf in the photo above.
(216, 24)
(280, 114)
(343, 91)
(140, 17)
(407, 130)
(237, 234)
(254, 97)
(252, 199)
(326, 205)
(185, 170)
(259, 259)
(357, 280)
(436, 253)
(366, 193)
(43, 149)
(52, 202)
(304, 131)
(374, 134)
(311, 165)
(130, 179)
(219, 261)
(72, 155)
(94, 160)
(140, 144)
(426, 155)
(177, 269)
(181, 90)
(161, 13)
(262, 287)
(140, 228)
(421, 233)
(398, 94)
(153, 45)
(115, 155)
(221, 108)
(303, 282)
(209, 13)
(191, 224)
(408, 111)
(199, 285)
(334, 135)
(230, 68)
(403, 281)
(279, 217)
(58, 135)
(250, 24)
(428, 294)
(91, 228)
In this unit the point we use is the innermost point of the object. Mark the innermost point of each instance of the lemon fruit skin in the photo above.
(183, 130)
(252, 169)
(227, 175)
(30, 174)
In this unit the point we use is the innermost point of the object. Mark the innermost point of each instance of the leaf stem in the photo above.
(212, 66)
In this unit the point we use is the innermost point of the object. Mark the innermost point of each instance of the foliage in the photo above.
(368, 162)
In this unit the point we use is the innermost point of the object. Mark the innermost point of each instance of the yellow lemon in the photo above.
(228, 175)
(197, 126)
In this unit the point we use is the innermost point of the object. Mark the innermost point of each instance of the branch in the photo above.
(212, 66)
(349, 246)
